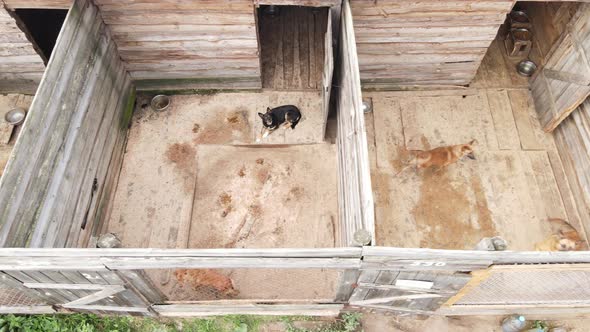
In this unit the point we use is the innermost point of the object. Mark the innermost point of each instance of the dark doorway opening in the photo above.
(43, 26)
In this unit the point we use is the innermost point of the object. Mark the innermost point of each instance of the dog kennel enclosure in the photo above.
(92, 158)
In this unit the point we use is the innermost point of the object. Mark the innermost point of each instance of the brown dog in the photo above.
(441, 157)
(564, 238)
(207, 279)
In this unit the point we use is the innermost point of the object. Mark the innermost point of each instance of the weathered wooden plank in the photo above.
(50, 97)
(390, 33)
(346, 285)
(140, 282)
(137, 263)
(504, 123)
(66, 180)
(197, 310)
(356, 195)
(497, 257)
(38, 4)
(344, 252)
(28, 310)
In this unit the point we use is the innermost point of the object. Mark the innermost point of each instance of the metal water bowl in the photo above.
(15, 116)
(526, 68)
(160, 102)
(519, 16)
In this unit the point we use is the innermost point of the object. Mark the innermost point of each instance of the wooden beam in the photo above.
(140, 263)
(110, 308)
(346, 252)
(527, 310)
(27, 310)
(496, 257)
(198, 310)
(574, 78)
(394, 298)
(70, 286)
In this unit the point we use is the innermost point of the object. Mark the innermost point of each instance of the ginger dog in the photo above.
(207, 279)
(564, 238)
(440, 157)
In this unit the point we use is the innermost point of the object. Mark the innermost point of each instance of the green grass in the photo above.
(92, 323)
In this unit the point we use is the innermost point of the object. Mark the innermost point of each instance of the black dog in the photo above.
(287, 115)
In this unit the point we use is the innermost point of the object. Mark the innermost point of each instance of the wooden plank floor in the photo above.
(510, 190)
(292, 48)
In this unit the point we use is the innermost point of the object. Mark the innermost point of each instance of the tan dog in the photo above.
(207, 279)
(564, 238)
(441, 157)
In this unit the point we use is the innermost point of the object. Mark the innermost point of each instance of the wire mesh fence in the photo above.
(13, 297)
(526, 286)
(247, 283)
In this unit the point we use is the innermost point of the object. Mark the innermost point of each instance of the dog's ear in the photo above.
(473, 142)
(261, 115)
(268, 110)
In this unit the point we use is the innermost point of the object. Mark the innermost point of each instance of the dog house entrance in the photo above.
(292, 42)
(43, 26)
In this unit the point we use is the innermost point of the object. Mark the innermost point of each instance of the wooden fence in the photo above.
(572, 138)
(564, 81)
(61, 173)
(355, 191)
(417, 281)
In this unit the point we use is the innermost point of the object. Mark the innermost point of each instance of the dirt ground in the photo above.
(194, 177)
(378, 322)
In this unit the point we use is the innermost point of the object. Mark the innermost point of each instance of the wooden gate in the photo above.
(39, 281)
(98, 290)
(392, 280)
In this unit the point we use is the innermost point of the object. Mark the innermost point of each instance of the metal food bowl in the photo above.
(519, 16)
(521, 34)
(526, 68)
(160, 102)
(15, 116)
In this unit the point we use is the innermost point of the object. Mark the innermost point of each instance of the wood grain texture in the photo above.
(292, 48)
(186, 44)
(562, 84)
(572, 138)
(356, 197)
(59, 164)
(424, 43)
(21, 67)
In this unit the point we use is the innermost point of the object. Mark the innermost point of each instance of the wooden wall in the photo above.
(406, 43)
(38, 4)
(21, 67)
(564, 81)
(355, 191)
(572, 138)
(549, 21)
(186, 44)
(64, 165)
